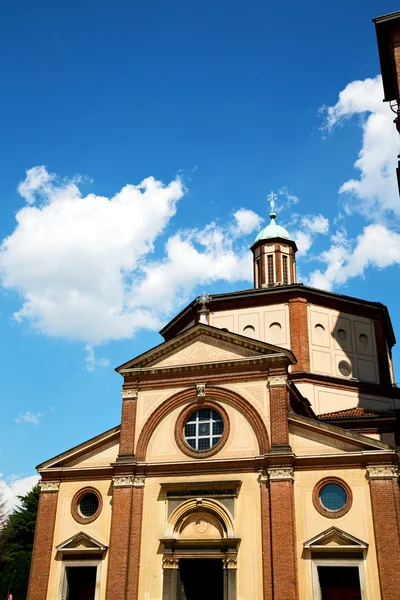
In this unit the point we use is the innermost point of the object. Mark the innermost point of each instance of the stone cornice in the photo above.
(129, 394)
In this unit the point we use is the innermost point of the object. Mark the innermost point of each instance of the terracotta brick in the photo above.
(284, 564)
(299, 343)
(266, 543)
(386, 526)
(279, 404)
(119, 544)
(43, 546)
(134, 543)
(128, 425)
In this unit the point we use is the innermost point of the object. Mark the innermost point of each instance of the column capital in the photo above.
(170, 563)
(280, 473)
(263, 476)
(49, 486)
(130, 394)
(382, 472)
(128, 481)
(230, 562)
(277, 380)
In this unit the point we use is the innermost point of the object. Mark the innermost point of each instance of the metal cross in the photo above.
(204, 299)
(272, 197)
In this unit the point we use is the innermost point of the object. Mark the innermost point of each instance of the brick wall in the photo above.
(119, 544)
(299, 343)
(134, 543)
(128, 423)
(43, 546)
(386, 536)
(266, 543)
(279, 404)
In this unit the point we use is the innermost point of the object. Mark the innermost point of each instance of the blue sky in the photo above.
(212, 105)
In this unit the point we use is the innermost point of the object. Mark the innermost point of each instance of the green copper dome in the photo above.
(272, 231)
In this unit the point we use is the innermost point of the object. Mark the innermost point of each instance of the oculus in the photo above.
(86, 505)
(332, 497)
(202, 429)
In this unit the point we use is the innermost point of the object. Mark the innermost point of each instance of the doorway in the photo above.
(339, 583)
(81, 583)
(201, 579)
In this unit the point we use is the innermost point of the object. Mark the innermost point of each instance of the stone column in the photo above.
(171, 579)
(383, 481)
(119, 538)
(135, 538)
(230, 570)
(266, 536)
(279, 405)
(299, 343)
(128, 425)
(43, 543)
(283, 533)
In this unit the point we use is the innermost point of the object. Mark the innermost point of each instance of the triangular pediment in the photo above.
(310, 437)
(100, 451)
(204, 344)
(81, 542)
(335, 538)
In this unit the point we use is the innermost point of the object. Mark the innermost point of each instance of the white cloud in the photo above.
(91, 362)
(12, 487)
(376, 246)
(309, 227)
(376, 187)
(247, 221)
(82, 264)
(28, 417)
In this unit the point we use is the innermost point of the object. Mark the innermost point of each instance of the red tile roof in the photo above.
(354, 412)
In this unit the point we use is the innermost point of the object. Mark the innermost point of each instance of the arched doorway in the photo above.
(200, 552)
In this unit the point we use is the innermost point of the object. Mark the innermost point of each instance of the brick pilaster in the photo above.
(135, 539)
(283, 534)
(128, 424)
(119, 538)
(279, 405)
(266, 537)
(383, 482)
(299, 343)
(43, 543)
(278, 264)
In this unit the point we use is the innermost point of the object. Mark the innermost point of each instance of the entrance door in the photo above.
(339, 583)
(201, 579)
(81, 583)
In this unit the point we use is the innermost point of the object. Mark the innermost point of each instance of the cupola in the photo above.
(274, 254)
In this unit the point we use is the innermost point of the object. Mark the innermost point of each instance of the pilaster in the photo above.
(299, 342)
(128, 425)
(383, 481)
(43, 542)
(279, 406)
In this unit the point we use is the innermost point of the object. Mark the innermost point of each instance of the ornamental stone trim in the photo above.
(49, 486)
(129, 394)
(128, 481)
(277, 381)
(229, 563)
(170, 563)
(263, 476)
(280, 474)
(200, 390)
(383, 472)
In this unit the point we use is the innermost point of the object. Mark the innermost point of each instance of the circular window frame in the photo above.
(79, 518)
(180, 425)
(331, 514)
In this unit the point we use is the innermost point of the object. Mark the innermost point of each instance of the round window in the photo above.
(203, 429)
(342, 335)
(333, 497)
(344, 368)
(88, 505)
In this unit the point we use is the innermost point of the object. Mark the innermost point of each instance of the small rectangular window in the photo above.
(285, 270)
(270, 263)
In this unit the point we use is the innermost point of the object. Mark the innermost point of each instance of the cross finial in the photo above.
(272, 197)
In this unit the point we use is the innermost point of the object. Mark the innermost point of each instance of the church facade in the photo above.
(255, 460)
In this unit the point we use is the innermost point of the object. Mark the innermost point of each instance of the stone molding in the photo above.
(170, 563)
(200, 390)
(128, 481)
(129, 394)
(280, 474)
(230, 563)
(277, 381)
(49, 486)
(382, 472)
(263, 476)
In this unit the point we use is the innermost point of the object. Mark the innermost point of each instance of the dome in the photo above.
(272, 231)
